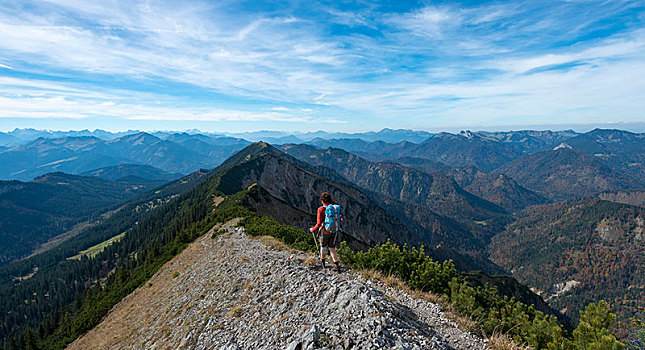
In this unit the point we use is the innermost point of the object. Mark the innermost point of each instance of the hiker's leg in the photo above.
(323, 247)
(334, 255)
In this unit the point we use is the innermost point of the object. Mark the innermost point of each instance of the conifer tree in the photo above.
(592, 332)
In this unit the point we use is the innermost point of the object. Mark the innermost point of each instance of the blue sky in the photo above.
(309, 65)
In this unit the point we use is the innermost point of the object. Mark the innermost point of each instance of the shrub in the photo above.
(493, 313)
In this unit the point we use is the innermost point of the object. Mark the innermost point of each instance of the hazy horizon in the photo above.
(631, 127)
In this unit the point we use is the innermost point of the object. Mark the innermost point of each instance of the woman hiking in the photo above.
(329, 219)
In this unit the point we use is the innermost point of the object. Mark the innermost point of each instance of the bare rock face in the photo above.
(234, 292)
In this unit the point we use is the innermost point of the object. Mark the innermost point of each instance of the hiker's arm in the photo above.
(320, 220)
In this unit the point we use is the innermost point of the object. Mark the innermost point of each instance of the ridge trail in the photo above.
(235, 292)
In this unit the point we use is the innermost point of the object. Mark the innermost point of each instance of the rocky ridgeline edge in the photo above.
(236, 292)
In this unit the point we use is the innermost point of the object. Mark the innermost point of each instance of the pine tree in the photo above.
(28, 340)
(592, 332)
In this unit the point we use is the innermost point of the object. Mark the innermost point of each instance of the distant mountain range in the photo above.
(618, 149)
(485, 150)
(385, 135)
(75, 155)
(554, 165)
(21, 136)
(565, 173)
(528, 139)
(495, 187)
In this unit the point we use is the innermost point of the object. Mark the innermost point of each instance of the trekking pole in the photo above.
(315, 241)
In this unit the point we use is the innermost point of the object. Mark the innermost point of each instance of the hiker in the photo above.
(329, 219)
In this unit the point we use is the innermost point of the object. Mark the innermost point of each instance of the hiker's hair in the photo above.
(325, 197)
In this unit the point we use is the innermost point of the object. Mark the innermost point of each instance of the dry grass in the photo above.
(394, 282)
(430, 297)
(502, 342)
(311, 260)
(371, 274)
(273, 243)
(464, 322)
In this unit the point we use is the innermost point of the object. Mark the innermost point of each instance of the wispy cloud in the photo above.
(428, 21)
(60, 107)
(359, 64)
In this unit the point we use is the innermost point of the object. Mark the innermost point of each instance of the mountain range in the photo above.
(565, 172)
(299, 188)
(436, 192)
(531, 139)
(556, 210)
(261, 177)
(21, 136)
(496, 188)
(485, 150)
(187, 153)
(618, 149)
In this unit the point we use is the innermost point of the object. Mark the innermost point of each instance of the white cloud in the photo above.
(631, 47)
(424, 64)
(60, 107)
(429, 21)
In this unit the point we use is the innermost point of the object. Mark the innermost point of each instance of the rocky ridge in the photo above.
(234, 292)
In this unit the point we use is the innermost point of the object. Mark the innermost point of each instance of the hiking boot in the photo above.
(322, 263)
(338, 267)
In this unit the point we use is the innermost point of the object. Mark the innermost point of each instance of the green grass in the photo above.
(96, 249)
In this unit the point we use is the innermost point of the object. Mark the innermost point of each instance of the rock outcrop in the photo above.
(235, 292)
